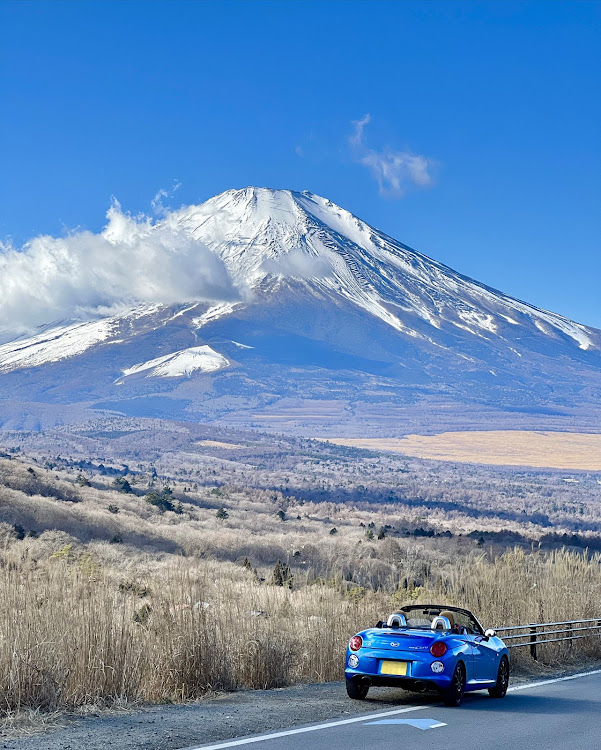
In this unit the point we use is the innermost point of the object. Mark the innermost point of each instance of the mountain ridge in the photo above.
(347, 226)
(317, 295)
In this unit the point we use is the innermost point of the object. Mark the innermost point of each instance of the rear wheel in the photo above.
(453, 695)
(500, 689)
(356, 690)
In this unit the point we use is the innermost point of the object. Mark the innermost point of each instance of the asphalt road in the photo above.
(560, 713)
(539, 712)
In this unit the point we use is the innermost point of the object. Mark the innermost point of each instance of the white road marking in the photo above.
(367, 717)
(302, 730)
(550, 682)
(417, 723)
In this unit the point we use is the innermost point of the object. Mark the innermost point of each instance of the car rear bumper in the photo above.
(415, 684)
(419, 669)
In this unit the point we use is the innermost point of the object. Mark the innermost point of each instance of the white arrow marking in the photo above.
(417, 723)
(302, 730)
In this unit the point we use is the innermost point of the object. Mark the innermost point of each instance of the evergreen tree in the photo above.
(282, 575)
(161, 500)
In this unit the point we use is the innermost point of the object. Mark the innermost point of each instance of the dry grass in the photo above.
(555, 450)
(170, 611)
(76, 631)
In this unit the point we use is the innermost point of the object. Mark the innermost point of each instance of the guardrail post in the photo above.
(570, 636)
(533, 653)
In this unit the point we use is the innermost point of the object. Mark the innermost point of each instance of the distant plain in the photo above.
(550, 450)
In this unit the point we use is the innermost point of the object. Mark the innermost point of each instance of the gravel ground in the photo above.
(218, 718)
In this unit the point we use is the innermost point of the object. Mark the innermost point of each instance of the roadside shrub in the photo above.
(135, 588)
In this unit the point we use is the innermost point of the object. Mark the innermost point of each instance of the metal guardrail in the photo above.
(571, 630)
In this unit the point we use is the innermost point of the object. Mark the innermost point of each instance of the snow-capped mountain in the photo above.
(324, 308)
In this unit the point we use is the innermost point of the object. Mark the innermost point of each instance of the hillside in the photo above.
(121, 585)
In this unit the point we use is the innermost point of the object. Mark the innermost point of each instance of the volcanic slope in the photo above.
(332, 325)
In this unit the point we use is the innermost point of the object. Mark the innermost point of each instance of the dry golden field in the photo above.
(219, 444)
(553, 450)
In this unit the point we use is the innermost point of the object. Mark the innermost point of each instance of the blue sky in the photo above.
(487, 115)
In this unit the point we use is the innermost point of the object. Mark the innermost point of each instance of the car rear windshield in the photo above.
(423, 618)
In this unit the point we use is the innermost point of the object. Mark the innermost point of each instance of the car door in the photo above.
(486, 658)
(470, 642)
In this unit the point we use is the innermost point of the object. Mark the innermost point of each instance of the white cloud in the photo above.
(84, 275)
(298, 264)
(356, 138)
(157, 202)
(394, 171)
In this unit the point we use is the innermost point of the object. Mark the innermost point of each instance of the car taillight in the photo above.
(438, 649)
(355, 643)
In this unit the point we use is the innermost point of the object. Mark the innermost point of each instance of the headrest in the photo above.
(440, 623)
(397, 620)
(449, 615)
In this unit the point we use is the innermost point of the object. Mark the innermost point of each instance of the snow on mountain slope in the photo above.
(259, 232)
(179, 364)
(54, 344)
(276, 244)
(215, 312)
(69, 339)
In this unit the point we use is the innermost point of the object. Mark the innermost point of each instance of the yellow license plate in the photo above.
(393, 667)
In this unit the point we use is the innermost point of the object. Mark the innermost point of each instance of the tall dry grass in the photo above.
(77, 628)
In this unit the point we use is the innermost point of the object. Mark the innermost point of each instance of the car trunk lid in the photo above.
(391, 640)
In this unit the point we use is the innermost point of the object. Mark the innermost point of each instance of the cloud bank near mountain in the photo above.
(84, 274)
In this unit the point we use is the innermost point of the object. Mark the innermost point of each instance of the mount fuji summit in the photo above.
(325, 325)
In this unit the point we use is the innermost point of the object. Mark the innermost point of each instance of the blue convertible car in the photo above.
(428, 647)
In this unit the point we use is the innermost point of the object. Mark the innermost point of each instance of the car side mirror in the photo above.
(490, 633)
